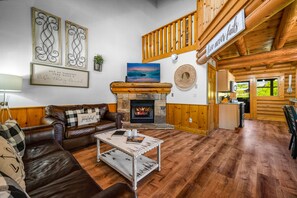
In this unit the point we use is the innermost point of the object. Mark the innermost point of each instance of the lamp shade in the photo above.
(10, 83)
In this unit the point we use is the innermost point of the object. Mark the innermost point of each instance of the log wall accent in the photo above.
(268, 108)
(262, 13)
(31, 116)
(179, 114)
(176, 37)
(213, 15)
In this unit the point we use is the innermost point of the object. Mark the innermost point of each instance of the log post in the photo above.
(287, 23)
(266, 58)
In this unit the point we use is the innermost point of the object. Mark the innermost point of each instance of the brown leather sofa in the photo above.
(78, 136)
(52, 171)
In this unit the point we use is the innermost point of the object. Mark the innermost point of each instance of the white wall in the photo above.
(115, 30)
(195, 95)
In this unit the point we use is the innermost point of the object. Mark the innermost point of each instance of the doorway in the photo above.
(212, 106)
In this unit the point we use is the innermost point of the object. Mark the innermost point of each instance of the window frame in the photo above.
(280, 78)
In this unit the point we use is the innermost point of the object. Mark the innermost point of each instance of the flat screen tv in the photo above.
(143, 72)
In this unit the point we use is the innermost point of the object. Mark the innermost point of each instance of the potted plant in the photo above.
(98, 62)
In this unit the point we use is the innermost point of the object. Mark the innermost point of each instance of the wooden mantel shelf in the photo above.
(123, 87)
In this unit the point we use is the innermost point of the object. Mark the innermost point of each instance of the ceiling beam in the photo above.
(287, 23)
(266, 58)
(263, 12)
(241, 47)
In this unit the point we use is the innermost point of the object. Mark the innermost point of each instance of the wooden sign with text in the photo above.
(232, 29)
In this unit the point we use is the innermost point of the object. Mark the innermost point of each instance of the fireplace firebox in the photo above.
(142, 111)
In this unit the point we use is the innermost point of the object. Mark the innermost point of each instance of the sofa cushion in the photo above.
(41, 149)
(12, 132)
(74, 184)
(58, 112)
(79, 131)
(71, 116)
(104, 125)
(10, 188)
(103, 108)
(86, 118)
(11, 163)
(94, 110)
(48, 168)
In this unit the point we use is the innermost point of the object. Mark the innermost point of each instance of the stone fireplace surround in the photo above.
(125, 92)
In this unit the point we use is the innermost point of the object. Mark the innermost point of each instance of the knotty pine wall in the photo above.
(31, 116)
(179, 114)
(269, 109)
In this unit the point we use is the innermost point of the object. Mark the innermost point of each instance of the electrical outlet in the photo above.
(172, 94)
(190, 120)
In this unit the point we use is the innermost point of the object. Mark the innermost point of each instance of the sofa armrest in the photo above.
(59, 127)
(116, 117)
(119, 190)
(38, 133)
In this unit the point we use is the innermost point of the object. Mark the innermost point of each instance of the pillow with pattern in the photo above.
(12, 132)
(9, 188)
(94, 110)
(71, 116)
(11, 163)
(86, 118)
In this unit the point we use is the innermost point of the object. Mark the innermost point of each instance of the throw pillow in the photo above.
(87, 118)
(94, 110)
(9, 187)
(71, 116)
(11, 163)
(103, 111)
(12, 132)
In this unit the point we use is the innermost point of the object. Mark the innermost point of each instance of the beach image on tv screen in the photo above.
(140, 72)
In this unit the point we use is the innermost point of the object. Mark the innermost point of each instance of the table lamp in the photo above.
(9, 83)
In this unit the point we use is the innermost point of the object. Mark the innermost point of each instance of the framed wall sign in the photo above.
(49, 75)
(46, 37)
(76, 46)
(235, 26)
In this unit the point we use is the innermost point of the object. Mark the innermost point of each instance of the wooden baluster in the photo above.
(189, 30)
(157, 43)
(165, 40)
(195, 21)
(178, 34)
(183, 36)
(146, 46)
(169, 38)
(174, 37)
(150, 47)
(161, 41)
(143, 48)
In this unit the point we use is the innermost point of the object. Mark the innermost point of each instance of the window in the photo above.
(267, 87)
(243, 89)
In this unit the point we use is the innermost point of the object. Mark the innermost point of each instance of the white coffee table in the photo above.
(128, 159)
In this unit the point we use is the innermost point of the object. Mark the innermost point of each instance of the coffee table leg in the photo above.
(98, 150)
(159, 157)
(134, 172)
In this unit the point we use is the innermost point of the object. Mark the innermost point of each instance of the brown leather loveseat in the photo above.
(52, 171)
(78, 136)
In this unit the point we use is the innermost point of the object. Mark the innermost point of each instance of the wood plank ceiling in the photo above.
(274, 41)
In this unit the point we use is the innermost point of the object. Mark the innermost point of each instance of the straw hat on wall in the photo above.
(185, 77)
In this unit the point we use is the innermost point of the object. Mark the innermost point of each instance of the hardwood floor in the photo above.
(252, 162)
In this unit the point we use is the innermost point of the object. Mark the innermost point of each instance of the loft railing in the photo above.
(176, 37)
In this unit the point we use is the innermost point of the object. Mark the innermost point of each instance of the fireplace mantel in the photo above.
(123, 87)
(126, 92)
